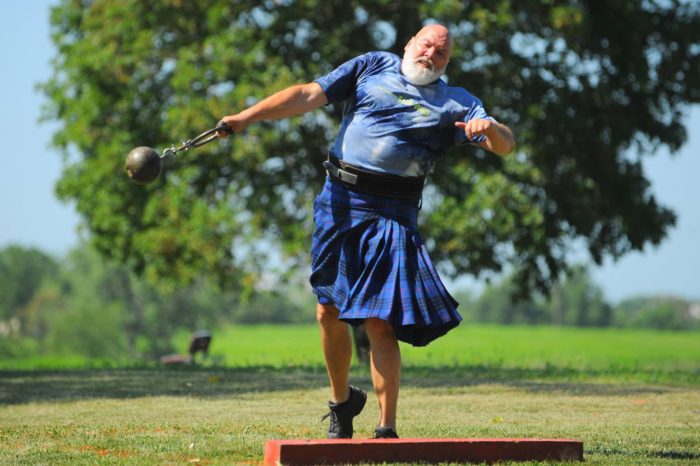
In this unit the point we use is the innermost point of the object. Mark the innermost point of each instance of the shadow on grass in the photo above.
(676, 455)
(63, 385)
(663, 454)
(53, 385)
(614, 381)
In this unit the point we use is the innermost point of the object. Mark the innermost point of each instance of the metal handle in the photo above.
(208, 136)
(197, 141)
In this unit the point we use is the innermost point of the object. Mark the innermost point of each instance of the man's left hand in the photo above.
(499, 138)
(475, 128)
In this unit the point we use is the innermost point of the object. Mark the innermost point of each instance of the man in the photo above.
(369, 264)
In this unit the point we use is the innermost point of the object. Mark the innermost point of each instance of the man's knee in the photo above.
(326, 314)
(379, 329)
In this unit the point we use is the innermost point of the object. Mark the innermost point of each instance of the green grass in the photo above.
(493, 352)
(632, 397)
(617, 354)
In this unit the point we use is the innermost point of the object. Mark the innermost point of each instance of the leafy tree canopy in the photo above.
(588, 87)
(22, 272)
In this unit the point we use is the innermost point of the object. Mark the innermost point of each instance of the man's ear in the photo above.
(410, 42)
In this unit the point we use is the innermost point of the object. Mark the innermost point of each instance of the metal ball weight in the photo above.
(143, 165)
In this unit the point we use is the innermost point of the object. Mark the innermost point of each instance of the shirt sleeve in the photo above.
(340, 83)
(475, 111)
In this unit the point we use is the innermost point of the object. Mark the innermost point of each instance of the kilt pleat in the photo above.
(369, 260)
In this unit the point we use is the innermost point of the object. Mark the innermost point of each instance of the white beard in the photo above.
(417, 74)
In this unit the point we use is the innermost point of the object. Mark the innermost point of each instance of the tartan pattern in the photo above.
(368, 259)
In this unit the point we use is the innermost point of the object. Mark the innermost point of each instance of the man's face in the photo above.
(426, 55)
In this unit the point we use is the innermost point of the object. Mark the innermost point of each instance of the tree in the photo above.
(97, 308)
(22, 272)
(71, 313)
(589, 88)
(578, 301)
(575, 301)
(499, 303)
(660, 312)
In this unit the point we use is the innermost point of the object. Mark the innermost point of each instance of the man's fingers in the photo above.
(468, 128)
(474, 128)
(223, 129)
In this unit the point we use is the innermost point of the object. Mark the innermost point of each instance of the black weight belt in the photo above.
(371, 182)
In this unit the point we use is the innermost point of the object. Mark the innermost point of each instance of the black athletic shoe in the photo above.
(341, 414)
(385, 432)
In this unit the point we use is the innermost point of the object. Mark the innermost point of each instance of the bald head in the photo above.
(439, 33)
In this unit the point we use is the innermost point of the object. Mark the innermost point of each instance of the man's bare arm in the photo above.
(288, 102)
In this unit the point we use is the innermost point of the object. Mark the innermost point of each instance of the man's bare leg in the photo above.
(385, 362)
(337, 350)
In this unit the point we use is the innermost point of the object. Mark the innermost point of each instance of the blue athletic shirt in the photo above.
(390, 125)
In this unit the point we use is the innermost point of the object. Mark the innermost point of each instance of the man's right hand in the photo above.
(236, 122)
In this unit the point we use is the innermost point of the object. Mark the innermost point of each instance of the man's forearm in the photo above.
(499, 139)
(288, 102)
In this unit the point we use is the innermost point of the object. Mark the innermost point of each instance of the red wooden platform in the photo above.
(430, 450)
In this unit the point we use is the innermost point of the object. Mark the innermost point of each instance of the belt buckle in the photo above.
(339, 173)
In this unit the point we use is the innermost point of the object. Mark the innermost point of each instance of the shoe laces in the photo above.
(332, 415)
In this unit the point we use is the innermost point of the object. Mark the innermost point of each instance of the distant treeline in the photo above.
(578, 301)
(81, 304)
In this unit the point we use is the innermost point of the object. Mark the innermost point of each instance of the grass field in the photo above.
(632, 397)
(495, 351)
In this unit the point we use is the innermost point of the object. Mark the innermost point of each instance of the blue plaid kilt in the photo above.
(368, 259)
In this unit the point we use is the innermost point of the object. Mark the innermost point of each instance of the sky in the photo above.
(32, 216)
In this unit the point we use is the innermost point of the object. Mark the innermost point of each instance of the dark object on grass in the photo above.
(199, 343)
